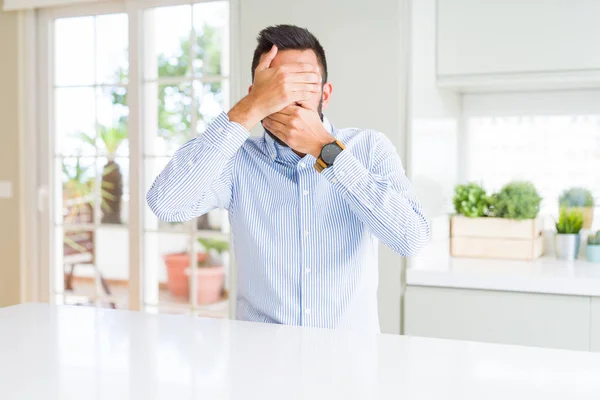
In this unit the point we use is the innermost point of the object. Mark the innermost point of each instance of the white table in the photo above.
(49, 352)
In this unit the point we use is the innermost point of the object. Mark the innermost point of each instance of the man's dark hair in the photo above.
(288, 37)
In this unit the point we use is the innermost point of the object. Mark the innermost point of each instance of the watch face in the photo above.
(330, 152)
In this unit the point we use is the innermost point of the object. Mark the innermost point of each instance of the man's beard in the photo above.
(281, 142)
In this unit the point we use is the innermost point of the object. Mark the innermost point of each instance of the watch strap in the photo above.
(320, 165)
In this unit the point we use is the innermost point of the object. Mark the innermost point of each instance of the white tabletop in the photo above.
(49, 352)
(434, 267)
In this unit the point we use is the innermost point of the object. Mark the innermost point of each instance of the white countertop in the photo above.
(435, 267)
(49, 353)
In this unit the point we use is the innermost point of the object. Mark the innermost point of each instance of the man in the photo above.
(307, 202)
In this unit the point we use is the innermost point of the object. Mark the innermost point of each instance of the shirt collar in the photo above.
(276, 151)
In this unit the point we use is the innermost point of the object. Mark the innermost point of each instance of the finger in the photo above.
(268, 58)
(306, 105)
(305, 87)
(288, 112)
(276, 127)
(297, 97)
(300, 67)
(280, 117)
(275, 124)
(304, 77)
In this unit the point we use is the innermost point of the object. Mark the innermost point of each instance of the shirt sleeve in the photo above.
(199, 176)
(381, 196)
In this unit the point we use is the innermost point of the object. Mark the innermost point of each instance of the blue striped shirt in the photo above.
(305, 243)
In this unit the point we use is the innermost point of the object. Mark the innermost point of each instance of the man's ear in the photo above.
(327, 89)
(249, 88)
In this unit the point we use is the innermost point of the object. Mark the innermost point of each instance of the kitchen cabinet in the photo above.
(595, 329)
(530, 319)
(519, 42)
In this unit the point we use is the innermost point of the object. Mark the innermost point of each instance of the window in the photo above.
(554, 148)
(97, 132)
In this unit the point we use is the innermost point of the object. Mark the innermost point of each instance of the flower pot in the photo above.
(209, 283)
(593, 253)
(177, 265)
(567, 246)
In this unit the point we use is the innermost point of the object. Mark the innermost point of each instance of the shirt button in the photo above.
(191, 163)
(308, 270)
(306, 233)
(220, 130)
(308, 311)
(305, 192)
(229, 136)
(302, 165)
(334, 180)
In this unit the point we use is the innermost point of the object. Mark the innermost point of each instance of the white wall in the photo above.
(434, 122)
(363, 42)
(10, 264)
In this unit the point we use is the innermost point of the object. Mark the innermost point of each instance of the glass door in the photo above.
(185, 87)
(180, 78)
(90, 149)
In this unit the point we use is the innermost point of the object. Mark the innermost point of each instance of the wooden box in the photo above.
(496, 238)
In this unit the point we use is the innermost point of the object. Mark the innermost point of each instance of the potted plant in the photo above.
(517, 200)
(210, 274)
(593, 247)
(470, 200)
(503, 225)
(570, 222)
(581, 199)
(112, 178)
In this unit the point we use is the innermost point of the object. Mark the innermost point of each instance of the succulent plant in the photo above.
(570, 221)
(471, 200)
(594, 239)
(516, 200)
(576, 197)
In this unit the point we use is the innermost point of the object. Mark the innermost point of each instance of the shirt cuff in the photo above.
(346, 171)
(225, 135)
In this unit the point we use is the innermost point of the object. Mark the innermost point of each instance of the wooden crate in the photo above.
(496, 238)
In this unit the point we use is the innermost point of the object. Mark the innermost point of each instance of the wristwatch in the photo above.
(328, 154)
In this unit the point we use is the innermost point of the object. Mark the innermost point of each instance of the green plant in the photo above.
(174, 104)
(576, 197)
(516, 200)
(212, 246)
(112, 178)
(569, 221)
(78, 183)
(594, 239)
(471, 200)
